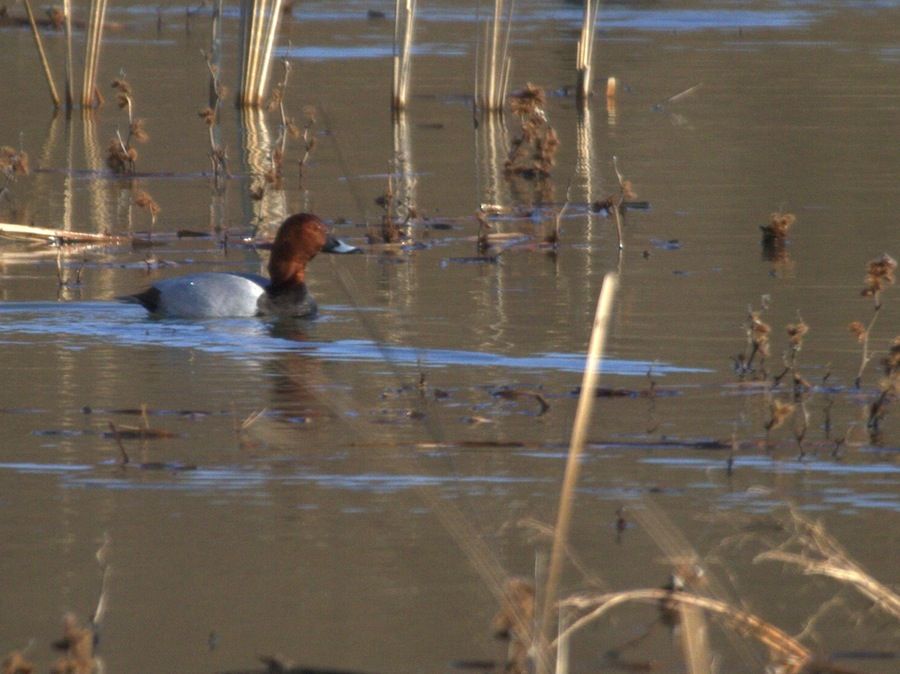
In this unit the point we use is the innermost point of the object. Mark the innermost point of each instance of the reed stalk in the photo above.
(259, 26)
(404, 23)
(92, 52)
(585, 56)
(493, 83)
(775, 639)
(576, 446)
(40, 47)
(67, 9)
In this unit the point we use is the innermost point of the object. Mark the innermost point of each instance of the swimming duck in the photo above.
(225, 294)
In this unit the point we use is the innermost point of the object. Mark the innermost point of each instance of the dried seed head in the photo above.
(309, 112)
(138, 132)
(892, 360)
(208, 115)
(122, 100)
(779, 225)
(143, 199)
(292, 129)
(858, 329)
(879, 275)
(796, 331)
(120, 85)
(779, 413)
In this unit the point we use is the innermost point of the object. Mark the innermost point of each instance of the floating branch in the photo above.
(259, 26)
(585, 55)
(404, 22)
(492, 83)
(89, 93)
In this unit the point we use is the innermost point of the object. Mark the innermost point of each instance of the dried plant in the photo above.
(78, 644)
(514, 622)
(815, 551)
(778, 227)
(13, 164)
(795, 332)
(879, 277)
(16, 663)
(218, 153)
(889, 389)
(758, 332)
(533, 153)
(121, 153)
(308, 139)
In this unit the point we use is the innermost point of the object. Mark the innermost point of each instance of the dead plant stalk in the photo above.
(576, 446)
(43, 56)
(775, 639)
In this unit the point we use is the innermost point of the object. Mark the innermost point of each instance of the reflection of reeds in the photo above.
(492, 74)
(491, 149)
(404, 24)
(40, 47)
(259, 26)
(585, 56)
(89, 93)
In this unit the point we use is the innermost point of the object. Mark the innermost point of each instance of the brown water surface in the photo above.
(319, 530)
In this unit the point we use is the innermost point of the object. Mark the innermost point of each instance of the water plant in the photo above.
(13, 163)
(889, 389)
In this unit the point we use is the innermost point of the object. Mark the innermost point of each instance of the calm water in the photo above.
(316, 531)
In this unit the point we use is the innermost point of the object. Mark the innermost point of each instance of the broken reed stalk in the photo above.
(44, 62)
(495, 76)
(795, 653)
(585, 55)
(576, 445)
(816, 552)
(67, 9)
(404, 22)
(259, 26)
(92, 53)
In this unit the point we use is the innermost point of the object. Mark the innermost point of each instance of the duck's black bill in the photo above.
(335, 245)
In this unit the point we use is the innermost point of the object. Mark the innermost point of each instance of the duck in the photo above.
(230, 294)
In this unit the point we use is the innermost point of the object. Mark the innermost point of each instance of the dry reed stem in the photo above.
(818, 553)
(778, 641)
(576, 445)
(92, 52)
(494, 81)
(259, 20)
(404, 22)
(40, 47)
(585, 54)
(58, 236)
(67, 9)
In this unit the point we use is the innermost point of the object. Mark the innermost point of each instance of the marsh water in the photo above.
(295, 492)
